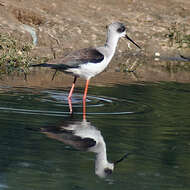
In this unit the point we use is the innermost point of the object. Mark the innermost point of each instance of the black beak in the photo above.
(132, 41)
(121, 159)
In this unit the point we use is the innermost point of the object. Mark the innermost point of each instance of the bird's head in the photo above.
(118, 29)
(105, 169)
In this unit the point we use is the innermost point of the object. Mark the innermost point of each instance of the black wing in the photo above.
(68, 138)
(75, 59)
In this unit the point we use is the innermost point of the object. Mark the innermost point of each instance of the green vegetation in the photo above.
(15, 55)
(177, 35)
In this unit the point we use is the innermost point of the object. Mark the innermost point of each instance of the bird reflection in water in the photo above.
(85, 137)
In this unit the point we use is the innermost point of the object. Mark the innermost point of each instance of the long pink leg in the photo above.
(70, 95)
(86, 90)
(84, 100)
(72, 88)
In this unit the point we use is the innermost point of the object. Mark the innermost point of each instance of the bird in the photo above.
(83, 136)
(88, 62)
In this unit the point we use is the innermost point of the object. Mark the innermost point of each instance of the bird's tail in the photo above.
(52, 66)
(42, 65)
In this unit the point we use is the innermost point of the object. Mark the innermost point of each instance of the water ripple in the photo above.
(54, 103)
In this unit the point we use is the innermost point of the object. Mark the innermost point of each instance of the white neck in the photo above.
(111, 43)
(101, 158)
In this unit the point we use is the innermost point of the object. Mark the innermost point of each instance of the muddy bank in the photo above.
(41, 77)
(58, 27)
(157, 27)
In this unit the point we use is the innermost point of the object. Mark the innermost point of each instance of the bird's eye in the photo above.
(121, 29)
(108, 171)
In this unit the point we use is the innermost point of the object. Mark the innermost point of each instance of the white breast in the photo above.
(89, 70)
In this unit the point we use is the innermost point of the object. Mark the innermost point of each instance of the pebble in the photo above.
(157, 54)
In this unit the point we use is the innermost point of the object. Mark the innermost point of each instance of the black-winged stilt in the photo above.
(87, 63)
(84, 137)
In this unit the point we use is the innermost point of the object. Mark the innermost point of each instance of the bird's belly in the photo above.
(88, 70)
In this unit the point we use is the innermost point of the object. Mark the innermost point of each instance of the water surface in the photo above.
(150, 120)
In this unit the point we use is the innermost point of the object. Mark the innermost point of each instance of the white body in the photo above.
(85, 130)
(89, 70)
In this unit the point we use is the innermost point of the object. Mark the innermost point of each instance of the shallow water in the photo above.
(151, 121)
